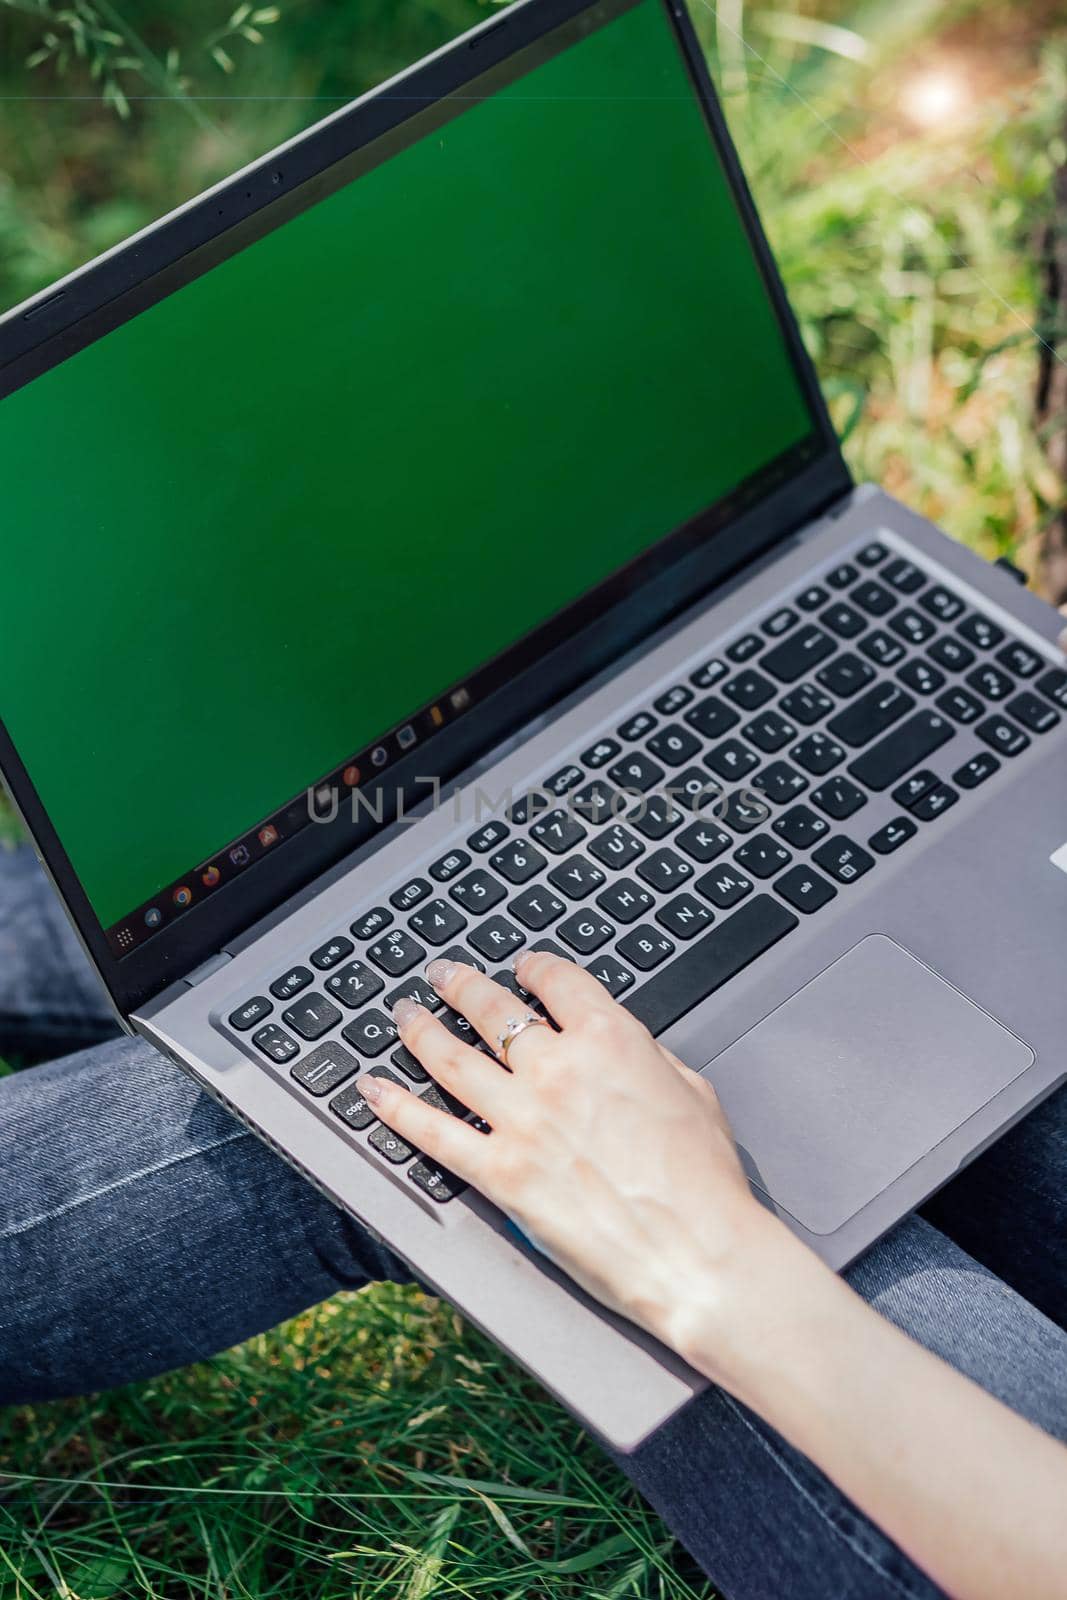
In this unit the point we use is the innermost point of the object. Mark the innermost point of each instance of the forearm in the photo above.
(974, 1494)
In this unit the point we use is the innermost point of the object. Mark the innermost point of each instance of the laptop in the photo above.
(432, 541)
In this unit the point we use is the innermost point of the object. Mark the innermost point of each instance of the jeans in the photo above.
(141, 1228)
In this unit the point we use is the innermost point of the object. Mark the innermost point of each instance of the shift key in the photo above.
(902, 749)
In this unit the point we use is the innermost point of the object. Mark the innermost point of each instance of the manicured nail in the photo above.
(405, 1011)
(441, 973)
(1063, 641)
(519, 961)
(371, 1088)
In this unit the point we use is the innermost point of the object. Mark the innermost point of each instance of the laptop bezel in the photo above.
(603, 624)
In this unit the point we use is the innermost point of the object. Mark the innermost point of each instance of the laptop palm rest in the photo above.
(854, 1079)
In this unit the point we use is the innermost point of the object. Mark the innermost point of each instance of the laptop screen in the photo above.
(285, 523)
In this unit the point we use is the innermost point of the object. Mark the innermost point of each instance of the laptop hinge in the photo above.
(214, 964)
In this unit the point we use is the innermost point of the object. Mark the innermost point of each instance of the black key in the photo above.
(704, 842)
(1053, 684)
(646, 947)
(458, 953)
(312, 1016)
(990, 681)
(332, 953)
(942, 604)
(922, 677)
(732, 759)
(881, 648)
(437, 922)
(818, 753)
(1032, 712)
(869, 716)
(709, 674)
(845, 676)
(712, 717)
(812, 598)
(412, 894)
(762, 856)
(931, 805)
(576, 877)
(563, 781)
(275, 1043)
(872, 554)
(842, 576)
(745, 648)
(616, 847)
(685, 917)
(598, 755)
(291, 983)
(673, 700)
(838, 797)
(436, 1181)
(709, 963)
(634, 772)
(980, 631)
(626, 901)
(415, 989)
(805, 889)
(800, 653)
(638, 727)
(479, 891)
(371, 1032)
(725, 886)
(585, 931)
(874, 598)
(961, 704)
(674, 745)
(913, 626)
(507, 980)
(749, 690)
(844, 620)
(904, 576)
(780, 622)
(807, 704)
(952, 654)
(843, 859)
(397, 953)
(655, 816)
(742, 811)
(527, 806)
(558, 831)
(693, 789)
(770, 731)
(518, 862)
(488, 837)
(552, 949)
(450, 866)
(801, 828)
(390, 1145)
(665, 870)
(902, 749)
(892, 836)
(780, 782)
(354, 985)
(612, 974)
(463, 1030)
(372, 923)
(1019, 659)
(497, 939)
(351, 1106)
(598, 802)
(977, 770)
(324, 1069)
(537, 908)
(915, 787)
(1002, 735)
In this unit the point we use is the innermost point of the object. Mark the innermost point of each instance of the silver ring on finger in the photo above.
(511, 1031)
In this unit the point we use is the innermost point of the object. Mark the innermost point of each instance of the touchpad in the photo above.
(853, 1080)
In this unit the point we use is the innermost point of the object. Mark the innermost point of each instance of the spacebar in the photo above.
(711, 962)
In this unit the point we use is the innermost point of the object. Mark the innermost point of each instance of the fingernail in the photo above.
(1063, 641)
(519, 961)
(371, 1088)
(441, 973)
(405, 1011)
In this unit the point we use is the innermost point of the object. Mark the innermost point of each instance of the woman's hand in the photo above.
(610, 1154)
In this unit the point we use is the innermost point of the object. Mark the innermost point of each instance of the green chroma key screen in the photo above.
(266, 519)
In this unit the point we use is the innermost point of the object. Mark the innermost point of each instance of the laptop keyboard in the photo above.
(683, 844)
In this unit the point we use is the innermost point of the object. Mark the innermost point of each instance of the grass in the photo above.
(377, 1446)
